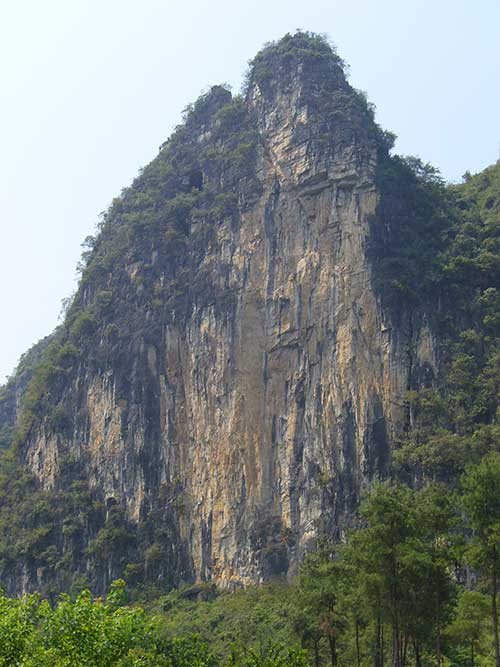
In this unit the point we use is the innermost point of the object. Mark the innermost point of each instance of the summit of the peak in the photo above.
(309, 53)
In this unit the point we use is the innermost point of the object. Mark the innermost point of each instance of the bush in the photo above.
(82, 327)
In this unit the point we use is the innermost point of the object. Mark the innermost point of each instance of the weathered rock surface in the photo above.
(251, 412)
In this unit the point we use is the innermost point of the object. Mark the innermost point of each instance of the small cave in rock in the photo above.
(110, 502)
(195, 179)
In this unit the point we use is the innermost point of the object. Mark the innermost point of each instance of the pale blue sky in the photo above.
(90, 88)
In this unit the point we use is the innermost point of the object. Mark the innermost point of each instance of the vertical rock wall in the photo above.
(260, 413)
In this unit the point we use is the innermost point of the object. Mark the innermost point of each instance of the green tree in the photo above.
(321, 587)
(433, 595)
(17, 628)
(378, 550)
(481, 501)
(402, 557)
(273, 655)
(468, 626)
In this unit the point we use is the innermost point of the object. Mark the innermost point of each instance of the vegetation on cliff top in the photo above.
(276, 61)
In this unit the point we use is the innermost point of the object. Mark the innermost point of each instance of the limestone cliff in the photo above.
(229, 372)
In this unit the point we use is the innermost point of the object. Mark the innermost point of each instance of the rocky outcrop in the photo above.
(247, 412)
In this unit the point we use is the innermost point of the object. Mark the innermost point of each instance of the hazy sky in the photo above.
(90, 88)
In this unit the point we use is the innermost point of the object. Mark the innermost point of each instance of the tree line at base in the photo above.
(415, 583)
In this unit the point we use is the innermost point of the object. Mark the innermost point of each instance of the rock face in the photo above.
(248, 401)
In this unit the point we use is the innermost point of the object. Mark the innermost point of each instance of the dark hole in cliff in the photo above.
(195, 179)
(110, 502)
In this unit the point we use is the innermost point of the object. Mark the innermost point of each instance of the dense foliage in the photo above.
(415, 583)
(455, 421)
(86, 632)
